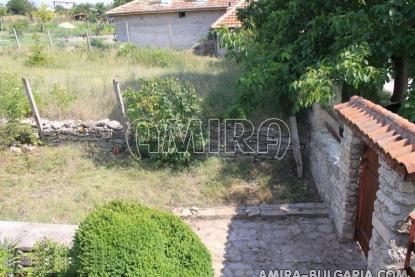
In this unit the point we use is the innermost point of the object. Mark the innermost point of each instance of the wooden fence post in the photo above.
(17, 38)
(170, 36)
(296, 145)
(50, 39)
(88, 42)
(33, 105)
(120, 103)
(127, 31)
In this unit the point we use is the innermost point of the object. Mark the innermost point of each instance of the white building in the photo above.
(167, 23)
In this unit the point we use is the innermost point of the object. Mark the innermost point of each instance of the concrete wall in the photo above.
(152, 30)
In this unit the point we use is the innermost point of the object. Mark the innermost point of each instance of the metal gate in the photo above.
(368, 186)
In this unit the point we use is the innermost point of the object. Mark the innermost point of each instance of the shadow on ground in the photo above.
(245, 247)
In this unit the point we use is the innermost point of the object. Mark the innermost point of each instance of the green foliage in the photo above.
(49, 258)
(94, 13)
(120, 2)
(20, 26)
(103, 29)
(99, 43)
(44, 14)
(127, 239)
(3, 10)
(13, 102)
(298, 49)
(22, 7)
(165, 108)
(10, 257)
(15, 133)
(145, 56)
(61, 96)
(38, 57)
(407, 108)
(236, 41)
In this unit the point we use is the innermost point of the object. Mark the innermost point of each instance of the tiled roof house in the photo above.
(167, 23)
(230, 19)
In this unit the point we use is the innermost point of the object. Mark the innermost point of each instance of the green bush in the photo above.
(99, 43)
(100, 29)
(61, 96)
(49, 258)
(146, 56)
(127, 239)
(16, 133)
(407, 108)
(20, 25)
(13, 101)
(165, 108)
(38, 56)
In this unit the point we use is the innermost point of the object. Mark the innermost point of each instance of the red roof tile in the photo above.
(230, 19)
(387, 132)
(154, 6)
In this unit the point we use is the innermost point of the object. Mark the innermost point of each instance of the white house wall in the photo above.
(152, 30)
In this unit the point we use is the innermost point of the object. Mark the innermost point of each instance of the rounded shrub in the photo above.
(127, 239)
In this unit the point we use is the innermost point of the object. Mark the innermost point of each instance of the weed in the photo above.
(38, 56)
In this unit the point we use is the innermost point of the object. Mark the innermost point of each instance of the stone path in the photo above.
(243, 247)
(242, 240)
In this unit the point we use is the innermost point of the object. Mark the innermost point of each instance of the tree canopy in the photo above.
(120, 2)
(299, 49)
(22, 7)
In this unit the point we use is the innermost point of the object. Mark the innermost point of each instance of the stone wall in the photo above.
(109, 134)
(105, 133)
(334, 167)
(395, 199)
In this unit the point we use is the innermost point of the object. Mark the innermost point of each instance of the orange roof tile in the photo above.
(155, 6)
(390, 134)
(230, 19)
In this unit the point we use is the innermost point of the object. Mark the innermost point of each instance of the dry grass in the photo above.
(60, 185)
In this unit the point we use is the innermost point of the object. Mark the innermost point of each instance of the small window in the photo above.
(182, 14)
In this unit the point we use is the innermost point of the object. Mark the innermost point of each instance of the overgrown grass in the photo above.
(60, 185)
(85, 78)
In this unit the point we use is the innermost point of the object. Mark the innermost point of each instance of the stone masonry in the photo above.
(335, 169)
(104, 133)
(395, 199)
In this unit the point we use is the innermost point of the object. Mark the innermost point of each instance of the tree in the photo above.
(44, 15)
(3, 10)
(120, 2)
(300, 49)
(22, 7)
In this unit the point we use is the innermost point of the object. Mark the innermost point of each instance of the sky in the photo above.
(49, 2)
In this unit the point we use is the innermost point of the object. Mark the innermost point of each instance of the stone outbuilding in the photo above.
(362, 158)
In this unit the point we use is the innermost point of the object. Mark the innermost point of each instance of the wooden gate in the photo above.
(368, 186)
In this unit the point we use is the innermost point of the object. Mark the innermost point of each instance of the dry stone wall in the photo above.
(103, 133)
(109, 134)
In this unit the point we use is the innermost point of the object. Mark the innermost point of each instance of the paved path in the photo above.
(242, 240)
(243, 247)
